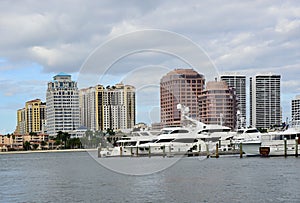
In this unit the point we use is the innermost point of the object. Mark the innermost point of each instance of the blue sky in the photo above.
(40, 39)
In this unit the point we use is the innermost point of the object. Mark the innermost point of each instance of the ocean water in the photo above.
(77, 177)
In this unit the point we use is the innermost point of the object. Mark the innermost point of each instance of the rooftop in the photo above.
(63, 74)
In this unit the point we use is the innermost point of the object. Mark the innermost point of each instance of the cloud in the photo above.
(30, 88)
(235, 34)
(244, 36)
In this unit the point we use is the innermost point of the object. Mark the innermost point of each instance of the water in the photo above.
(76, 177)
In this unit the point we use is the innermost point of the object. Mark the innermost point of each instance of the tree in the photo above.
(43, 143)
(26, 146)
(110, 131)
(74, 143)
(98, 133)
(32, 133)
(35, 146)
(63, 137)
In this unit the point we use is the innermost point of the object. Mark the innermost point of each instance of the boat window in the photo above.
(144, 134)
(164, 140)
(144, 142)
(214, 131)
(185, 140)
(229, 138)
(125, 138)
(252, 131)
(154, 140)
(179, 131)
(129, 143)
(289, 137)
(166, 131)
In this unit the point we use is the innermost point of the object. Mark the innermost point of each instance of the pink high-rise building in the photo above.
(217, 104)
(180, 86)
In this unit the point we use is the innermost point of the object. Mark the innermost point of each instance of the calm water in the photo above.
(76, 177)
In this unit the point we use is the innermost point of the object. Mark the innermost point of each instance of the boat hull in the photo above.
(251, 148)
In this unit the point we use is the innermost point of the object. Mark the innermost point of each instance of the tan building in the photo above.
(21, 121)
(180, 86)
(36, 139)
(11, 142)
(107, 107)
(217, 104)
(16, 141)
(31, 118)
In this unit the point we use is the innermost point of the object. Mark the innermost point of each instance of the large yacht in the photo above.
(272, 143)
(192, 136)
(127, 146)
(174, 141)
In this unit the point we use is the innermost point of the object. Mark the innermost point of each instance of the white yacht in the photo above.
(126, 146)
(194, 136)
(251, 140)
(273, 145)
(250, 137)
(174, 141)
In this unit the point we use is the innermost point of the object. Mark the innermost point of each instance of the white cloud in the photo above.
(244, 36)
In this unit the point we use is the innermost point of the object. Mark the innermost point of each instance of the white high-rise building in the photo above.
(62, 109)
(238, 82)
(296, 108)
(112, 107)
(89, 108)
(265, 108)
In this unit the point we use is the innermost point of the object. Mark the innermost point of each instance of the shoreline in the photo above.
(48, 151)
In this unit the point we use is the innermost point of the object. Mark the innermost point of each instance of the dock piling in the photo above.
(149, 151)
(207, 151)
(285, 147)
(296, 146)
(99, 150)
(217, 150)
(241, 150)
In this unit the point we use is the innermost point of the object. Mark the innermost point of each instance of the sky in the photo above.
(42, 38)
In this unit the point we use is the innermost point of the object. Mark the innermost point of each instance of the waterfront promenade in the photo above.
(47, 151)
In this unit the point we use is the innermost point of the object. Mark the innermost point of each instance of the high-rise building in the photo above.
(108, 108)
(21, 122)
(89, 113)
(217, 104)
(31, 118)
(62, 111)
(238, 82)
(265, 109)
(296, 108)
(180, 86)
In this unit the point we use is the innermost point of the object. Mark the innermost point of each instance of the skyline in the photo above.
(41, 39)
